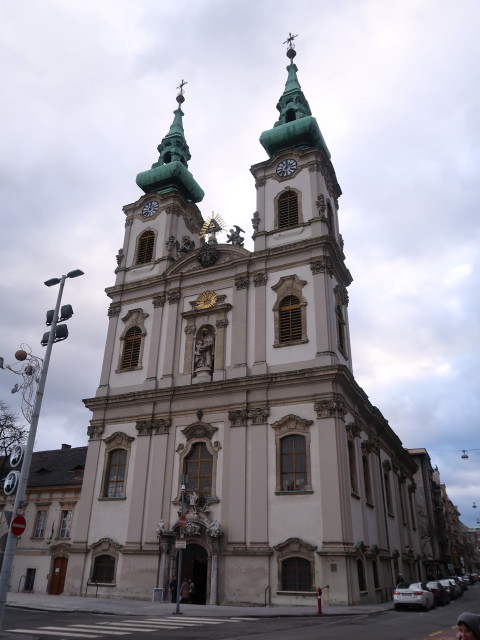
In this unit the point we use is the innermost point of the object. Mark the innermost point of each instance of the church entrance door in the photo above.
(195, 567)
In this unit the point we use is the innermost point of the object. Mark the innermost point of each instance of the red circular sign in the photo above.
(18, 525)
(182, 521)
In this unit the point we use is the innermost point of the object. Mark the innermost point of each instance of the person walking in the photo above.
(173, 588)
(185, 591)
(191, 589)
(468, 626)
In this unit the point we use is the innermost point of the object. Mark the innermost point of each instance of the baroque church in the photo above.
(227, 424)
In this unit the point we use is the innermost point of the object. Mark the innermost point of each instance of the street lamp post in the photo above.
(7, 564)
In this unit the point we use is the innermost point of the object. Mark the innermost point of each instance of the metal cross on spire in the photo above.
(290, 40)
(181, 85)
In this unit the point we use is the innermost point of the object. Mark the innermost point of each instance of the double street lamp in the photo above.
(55, 334)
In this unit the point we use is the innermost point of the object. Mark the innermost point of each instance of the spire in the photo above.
(170, 172)
(295, 127)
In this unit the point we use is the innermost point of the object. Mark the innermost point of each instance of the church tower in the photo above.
(227, 422)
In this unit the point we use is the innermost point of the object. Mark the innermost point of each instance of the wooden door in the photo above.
(58, 577)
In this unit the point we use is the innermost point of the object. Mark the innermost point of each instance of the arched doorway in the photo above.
(195, 567)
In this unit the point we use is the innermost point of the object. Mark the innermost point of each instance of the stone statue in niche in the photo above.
(204, 349)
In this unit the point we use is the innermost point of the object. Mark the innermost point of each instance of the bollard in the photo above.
(319, 599)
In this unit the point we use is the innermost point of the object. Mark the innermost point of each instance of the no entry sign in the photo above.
(18, 525)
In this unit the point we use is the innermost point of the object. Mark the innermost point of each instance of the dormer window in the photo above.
(290, 115)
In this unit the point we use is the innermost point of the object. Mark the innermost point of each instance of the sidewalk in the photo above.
(141, 607)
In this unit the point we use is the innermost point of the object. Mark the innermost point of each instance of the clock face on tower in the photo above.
(150, 209)
(286, 167)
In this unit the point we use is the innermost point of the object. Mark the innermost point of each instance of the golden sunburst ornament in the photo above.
(212, 225)
(206, 300)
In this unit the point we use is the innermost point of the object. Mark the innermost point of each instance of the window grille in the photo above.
(296, 574)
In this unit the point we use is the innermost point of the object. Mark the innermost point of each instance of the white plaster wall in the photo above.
(109, 517)
(287, 513)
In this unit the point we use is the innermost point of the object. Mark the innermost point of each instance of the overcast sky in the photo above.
(88, 93)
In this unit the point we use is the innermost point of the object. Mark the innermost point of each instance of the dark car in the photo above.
(452, 587)
(440, 593)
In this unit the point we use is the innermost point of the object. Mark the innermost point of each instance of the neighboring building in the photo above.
(54, 485)
(234, 368)
(431, 518)
(456, 562)
(471, 545)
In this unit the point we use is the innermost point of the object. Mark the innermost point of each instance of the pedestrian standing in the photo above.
(185, 591)
(173, 588)
(191, 590)
(468, 626)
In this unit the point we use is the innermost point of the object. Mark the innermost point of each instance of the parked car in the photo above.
(440, 593)
(460, 583)
(464, 581)
(452, 587)
(416, 595)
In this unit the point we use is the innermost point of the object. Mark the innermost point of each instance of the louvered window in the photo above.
(145, 247)
(290, 320)
(287, 210)
(131, 348)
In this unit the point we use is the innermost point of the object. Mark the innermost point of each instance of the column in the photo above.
(214, 574)
(239, 326)
(260, 336)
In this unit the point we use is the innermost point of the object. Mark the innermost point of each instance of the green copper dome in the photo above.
(295, 128)
(171, 172)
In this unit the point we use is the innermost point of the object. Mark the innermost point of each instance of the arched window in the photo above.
(287, 210)
(115, 476)
(290, 317)
(103, 569)
(198, 467)
(293, 463)
(362, 585)
(367, 480)
(352, 463)
(131, 348)
(145, 247)
(296, 574)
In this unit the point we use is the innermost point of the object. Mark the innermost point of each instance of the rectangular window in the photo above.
(39, 530)
(65, 523)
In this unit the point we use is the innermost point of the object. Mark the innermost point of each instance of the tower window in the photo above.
(290, 316)
(287, 210)
(293, 463)
(131, 348)
(115, 476)
(145, 247)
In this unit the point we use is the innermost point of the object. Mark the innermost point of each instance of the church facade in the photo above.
(227, 423)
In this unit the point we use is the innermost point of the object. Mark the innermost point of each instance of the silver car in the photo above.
(415, 595)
